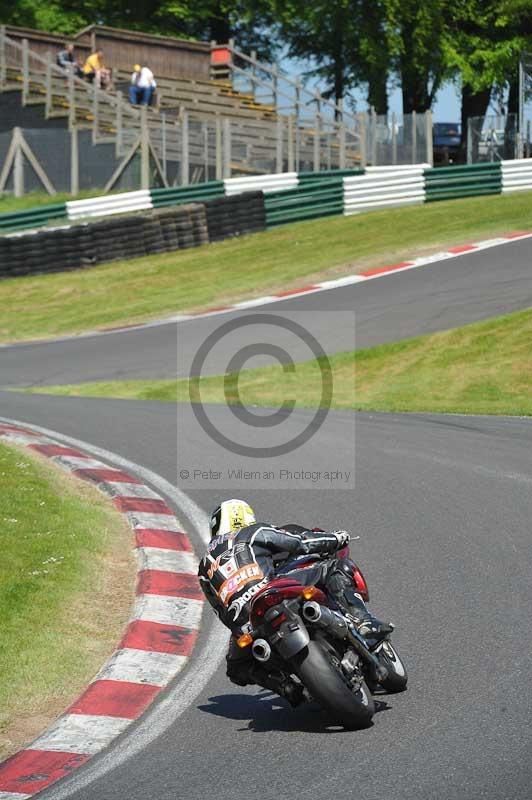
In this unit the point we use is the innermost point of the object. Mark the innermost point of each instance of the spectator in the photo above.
(95, 71)
(67, 60)
(142, 86)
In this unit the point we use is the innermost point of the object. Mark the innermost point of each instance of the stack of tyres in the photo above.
(107, 240)
(235, 215)
(87, 252)
(199, 225)
(153, 235)
(130, 231)
(168, 223)
(5, 260)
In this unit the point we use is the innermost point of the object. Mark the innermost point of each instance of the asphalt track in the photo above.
(434, 297)
(443, 507)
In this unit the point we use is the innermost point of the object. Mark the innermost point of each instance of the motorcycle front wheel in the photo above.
(397, 675)
(324, 679)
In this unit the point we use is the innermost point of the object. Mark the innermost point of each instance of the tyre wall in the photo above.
(125, 237)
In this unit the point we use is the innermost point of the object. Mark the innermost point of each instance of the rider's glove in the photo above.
(343, 538)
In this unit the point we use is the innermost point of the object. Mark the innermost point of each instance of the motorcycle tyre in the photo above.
(397, 679)
(330, 690)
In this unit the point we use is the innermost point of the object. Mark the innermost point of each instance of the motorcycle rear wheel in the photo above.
(326, 683)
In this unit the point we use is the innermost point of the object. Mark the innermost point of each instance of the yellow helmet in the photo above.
(231, 516)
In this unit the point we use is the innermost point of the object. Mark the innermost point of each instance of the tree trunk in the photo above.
(378, 92)
(219, 26)
(474, 104)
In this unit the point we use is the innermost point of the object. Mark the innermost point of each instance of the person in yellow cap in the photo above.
(142, 86)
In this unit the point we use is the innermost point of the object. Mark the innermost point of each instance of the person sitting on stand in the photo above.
(142, 86)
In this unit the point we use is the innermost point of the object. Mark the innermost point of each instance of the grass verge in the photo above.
(483, 368)
(65, 591)
(218, 274)
(9, 204)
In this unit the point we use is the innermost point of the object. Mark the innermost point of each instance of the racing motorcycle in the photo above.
(301, 635)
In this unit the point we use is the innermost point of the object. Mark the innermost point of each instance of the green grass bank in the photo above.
(225, 272)
(483, 368)
(66, 588)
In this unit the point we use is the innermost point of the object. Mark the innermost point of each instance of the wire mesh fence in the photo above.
(493, 138)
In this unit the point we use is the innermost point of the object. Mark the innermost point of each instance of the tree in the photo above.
(483, 47)
(416, 32)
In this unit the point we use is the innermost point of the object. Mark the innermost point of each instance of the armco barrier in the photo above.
(109, 204)
(263, 183)
(384, 188)
(314, 177)
(516, 175)
(195, 193)
(311, 200)
(448, 183)
(33, 217)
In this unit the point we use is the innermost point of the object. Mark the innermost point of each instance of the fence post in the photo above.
(18, 166)
(144, 149)
(279, 145)
(119, 138)
(470, 140)
(428, 133)
(341, 135)
(290, 143)
(253, 73)
(48, 103)
(3, 58)
(316, 155)
(414, 137)
(71, 100)
(25, 72)
(74, 160)
(394, 139)
(218, 136)
(362, 122)
(275, 83)
(95, 120)
(520, 123)
(374, 158)
(226, 171)
(205, 127)
(185, 163)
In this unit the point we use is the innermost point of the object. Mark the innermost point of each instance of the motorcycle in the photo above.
(301, 635)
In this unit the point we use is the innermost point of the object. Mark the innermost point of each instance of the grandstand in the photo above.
(218, 112)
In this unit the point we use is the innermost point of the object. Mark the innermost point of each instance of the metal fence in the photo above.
(494, 138)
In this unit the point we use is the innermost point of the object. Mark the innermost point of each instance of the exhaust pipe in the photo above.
(325, 618)
(261, 650)
(312, 611)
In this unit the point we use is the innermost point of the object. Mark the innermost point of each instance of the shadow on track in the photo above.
(266, 712)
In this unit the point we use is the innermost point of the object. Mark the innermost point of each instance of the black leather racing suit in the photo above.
(236, 566)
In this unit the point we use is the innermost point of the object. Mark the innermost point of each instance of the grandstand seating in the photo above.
(190, 114)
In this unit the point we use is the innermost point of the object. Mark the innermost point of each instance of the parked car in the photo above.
(446, 141)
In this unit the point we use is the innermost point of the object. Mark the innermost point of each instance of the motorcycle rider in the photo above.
(239, 562)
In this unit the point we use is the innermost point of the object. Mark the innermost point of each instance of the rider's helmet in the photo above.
(230, 516)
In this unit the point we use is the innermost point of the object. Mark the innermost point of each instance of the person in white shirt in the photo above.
(142, 86)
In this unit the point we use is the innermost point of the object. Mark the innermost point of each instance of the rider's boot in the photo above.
(366, 624)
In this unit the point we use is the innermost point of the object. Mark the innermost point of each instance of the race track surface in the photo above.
(442, 505)
(432, 298)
